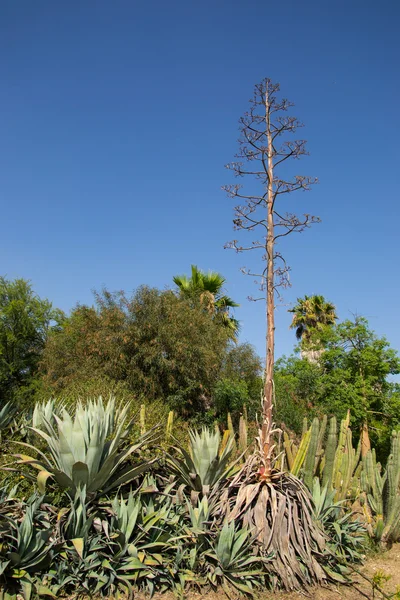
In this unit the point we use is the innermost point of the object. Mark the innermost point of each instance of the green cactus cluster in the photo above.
(323, 454)
(372, 481)
(382, 492)
(327, 453)
(346, 461)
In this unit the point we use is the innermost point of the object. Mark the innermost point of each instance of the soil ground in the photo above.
(387, 563)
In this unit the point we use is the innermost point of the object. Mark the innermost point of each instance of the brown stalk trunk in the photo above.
(269, 363)
(365, 441)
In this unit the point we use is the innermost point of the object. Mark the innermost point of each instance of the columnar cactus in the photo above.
(330, 451)
(391, 493)
(311, 455)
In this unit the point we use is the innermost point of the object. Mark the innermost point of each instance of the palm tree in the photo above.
(206, 289)
(312, 314)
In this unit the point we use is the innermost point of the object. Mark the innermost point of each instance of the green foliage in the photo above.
(240, 384)
(157, 344)
(169, 530)
(7, 414)
(230, 561)
(298, 390)
(230, 397)
(312, 315)
(26, 321)
(206, 290)
(25, 550)
(351, 373)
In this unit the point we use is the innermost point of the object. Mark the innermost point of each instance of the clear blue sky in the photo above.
(117, 118)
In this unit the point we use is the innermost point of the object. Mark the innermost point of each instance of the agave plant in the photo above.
(205, 465)
(145, 528)
(85, 451)
(199, 516)
(230, 561)
(7, 414)
(45, 412)
(74, 523)
(25, 550)
(346, 534)
(78, 568)
(277, 507)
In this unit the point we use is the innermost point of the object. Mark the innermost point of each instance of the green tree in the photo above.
(358, 364)
(230, 396)
(312, 315)
(158, 344)
(299, 388)
(25, 323)
(206, 289)
(353, 373)
(241, 370)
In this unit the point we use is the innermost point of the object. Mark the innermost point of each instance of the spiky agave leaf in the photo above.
(25, 550)
(231, 561)
(45, 412)
(86, 451)
(203, 466)
(7, 414)
(346, 535)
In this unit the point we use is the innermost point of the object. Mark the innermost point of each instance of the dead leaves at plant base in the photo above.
(280, 514)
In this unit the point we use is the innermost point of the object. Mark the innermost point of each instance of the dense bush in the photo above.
(156, 343)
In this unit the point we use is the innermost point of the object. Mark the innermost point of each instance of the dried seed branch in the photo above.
(263, 147)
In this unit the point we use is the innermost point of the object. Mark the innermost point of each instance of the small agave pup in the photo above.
(275, 505)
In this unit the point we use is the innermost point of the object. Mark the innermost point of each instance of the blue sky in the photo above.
(117, 119)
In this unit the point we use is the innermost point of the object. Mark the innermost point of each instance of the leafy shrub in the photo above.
(230, 397)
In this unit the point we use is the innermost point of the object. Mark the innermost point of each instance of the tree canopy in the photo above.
(206, 290)
(353, 373)
(26, 321)
(161, 345)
